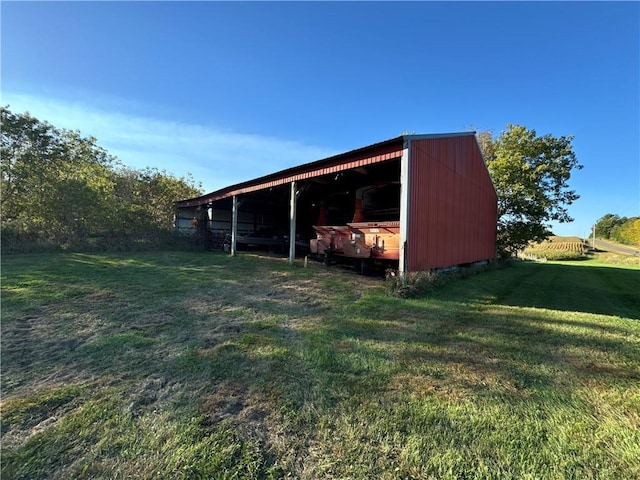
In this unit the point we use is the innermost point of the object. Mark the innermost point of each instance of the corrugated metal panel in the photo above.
(452, 204)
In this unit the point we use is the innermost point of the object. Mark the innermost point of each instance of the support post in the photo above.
(292, 224)
(234, 224)
(404, 208)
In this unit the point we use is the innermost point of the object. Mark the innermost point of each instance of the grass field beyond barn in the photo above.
(198, 365)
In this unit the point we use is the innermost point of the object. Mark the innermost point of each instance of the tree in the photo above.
(145, 198)
(606, 223)
(531, 175)
(60, 187)
(627, 231)
(54, 183)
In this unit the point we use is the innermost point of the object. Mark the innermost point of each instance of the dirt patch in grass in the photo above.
(235, 403)
(246, 410)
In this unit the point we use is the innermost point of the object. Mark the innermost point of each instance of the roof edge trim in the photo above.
(426, 136)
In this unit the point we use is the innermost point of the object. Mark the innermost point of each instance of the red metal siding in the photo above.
(452, 204)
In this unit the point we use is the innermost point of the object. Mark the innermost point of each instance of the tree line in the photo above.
(620, 229)
(61, 189)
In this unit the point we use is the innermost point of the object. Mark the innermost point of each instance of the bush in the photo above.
(415, 284)
(28, 242)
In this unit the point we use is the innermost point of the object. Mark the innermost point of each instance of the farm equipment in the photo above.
(330, 240)
(370, 237)
(377, 240)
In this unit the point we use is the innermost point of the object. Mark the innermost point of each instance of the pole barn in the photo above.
(414, 202)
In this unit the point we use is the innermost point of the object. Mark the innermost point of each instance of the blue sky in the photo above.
(230, 91)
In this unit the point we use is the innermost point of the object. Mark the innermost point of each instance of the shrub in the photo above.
(108, 241)
(415, 284)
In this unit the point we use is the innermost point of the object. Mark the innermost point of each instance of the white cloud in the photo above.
(215, 157)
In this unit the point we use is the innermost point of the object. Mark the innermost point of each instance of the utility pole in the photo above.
(593, 242)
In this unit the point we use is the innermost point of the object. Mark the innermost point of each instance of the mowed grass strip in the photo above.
(198, 365)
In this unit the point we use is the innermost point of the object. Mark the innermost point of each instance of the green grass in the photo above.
(614, 259)
(198, 365)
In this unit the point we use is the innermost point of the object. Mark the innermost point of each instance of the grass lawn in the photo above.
(198, 365)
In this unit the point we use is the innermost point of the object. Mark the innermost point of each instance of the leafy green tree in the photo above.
(531, 175)
(54, 183)
(25, 142)
(145, 198)
(61, 187)
(606, 223)
(621, 229)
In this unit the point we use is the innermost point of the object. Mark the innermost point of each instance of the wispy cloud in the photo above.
(215, 157)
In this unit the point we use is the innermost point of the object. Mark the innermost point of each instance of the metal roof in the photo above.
(377, 152)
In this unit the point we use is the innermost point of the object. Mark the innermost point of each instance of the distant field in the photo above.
(558, 248)
(199, 365)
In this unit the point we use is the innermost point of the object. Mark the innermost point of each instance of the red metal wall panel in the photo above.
(452, 204)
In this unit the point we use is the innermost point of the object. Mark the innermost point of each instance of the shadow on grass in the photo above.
(514, 348)
(570, 288)
(262, 346)
(155, 310)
